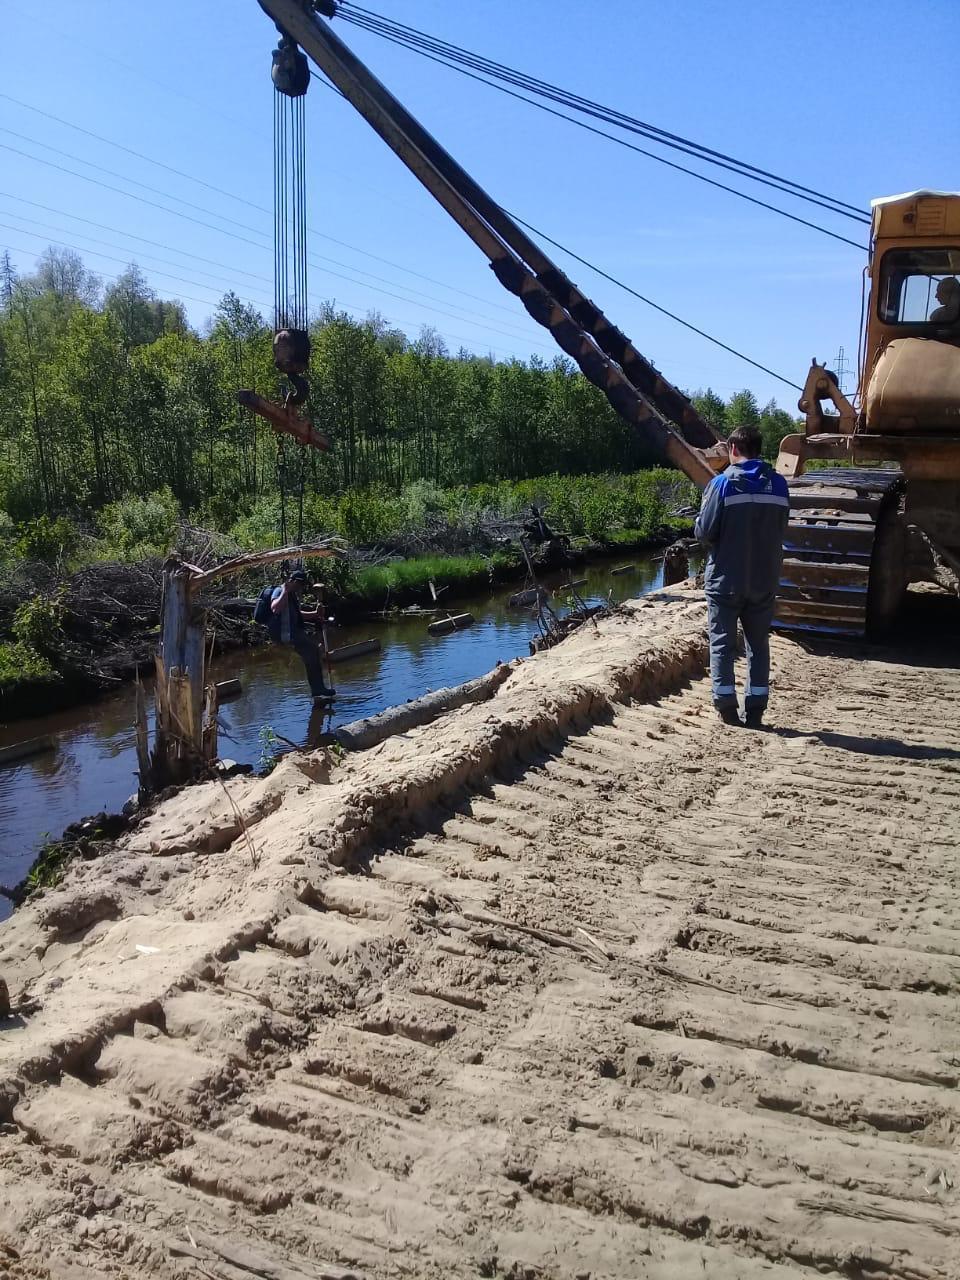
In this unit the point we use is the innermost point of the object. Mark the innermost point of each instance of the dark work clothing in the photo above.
(742, 520)
(755, 616)
(287, 627)
(309, 652)
(288, 623)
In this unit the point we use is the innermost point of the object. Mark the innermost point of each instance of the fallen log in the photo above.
(357, 650)
(443, 626)
(17, 751)
(624, 568)
(229, 689)
(532, 595)
(360, 735)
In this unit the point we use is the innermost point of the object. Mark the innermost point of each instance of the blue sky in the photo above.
(858, 99)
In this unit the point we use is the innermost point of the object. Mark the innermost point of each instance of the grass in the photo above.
(413, 577)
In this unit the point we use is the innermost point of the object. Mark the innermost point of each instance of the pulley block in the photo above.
(291, 351)
(290, 72)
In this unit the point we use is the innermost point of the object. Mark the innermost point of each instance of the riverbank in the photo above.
(92, 767)
(85, 637)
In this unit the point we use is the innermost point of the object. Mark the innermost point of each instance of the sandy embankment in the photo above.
(571, 982)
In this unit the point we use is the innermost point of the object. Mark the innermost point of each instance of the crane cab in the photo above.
(911, 370)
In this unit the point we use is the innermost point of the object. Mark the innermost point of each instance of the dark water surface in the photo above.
(93, 766)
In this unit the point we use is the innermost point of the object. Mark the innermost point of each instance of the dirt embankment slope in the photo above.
(575, 982)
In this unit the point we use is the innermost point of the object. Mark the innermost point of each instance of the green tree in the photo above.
(711, 408)
(742, 410)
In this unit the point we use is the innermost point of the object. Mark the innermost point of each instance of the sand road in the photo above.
(573, 983)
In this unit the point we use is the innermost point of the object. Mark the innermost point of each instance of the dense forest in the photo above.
(108, 393)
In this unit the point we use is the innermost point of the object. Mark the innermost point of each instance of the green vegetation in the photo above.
(121, 438)
(111, 406)
(21, 663)
(49, 865)
(455, 574)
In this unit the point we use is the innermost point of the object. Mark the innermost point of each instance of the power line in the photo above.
(183, 280)
(351, 309)
(339, 275)
(656, 306)
(463, 319)
(140, 155)
(457, 57)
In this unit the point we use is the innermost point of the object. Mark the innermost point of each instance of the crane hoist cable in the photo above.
(290, 73)
(291, 344)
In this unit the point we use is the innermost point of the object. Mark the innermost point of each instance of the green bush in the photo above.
(260, 527)
(138, 528)
(38, 622)
(48, 539)
(20, 662)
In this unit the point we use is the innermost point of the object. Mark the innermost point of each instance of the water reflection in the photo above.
(93, 767)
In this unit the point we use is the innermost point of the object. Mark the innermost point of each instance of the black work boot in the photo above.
(729, 715)
(753, 718)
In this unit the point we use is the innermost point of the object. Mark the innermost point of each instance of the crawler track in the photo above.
(632, 995)
(835, 548)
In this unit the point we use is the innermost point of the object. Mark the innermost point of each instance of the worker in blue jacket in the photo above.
(742, 520)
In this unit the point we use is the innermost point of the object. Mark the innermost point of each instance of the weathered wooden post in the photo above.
(185, 741)
(178, 745)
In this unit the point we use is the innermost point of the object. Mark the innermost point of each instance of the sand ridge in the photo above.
(573, 982)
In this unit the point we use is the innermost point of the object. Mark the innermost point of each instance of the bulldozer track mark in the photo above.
(604, 988)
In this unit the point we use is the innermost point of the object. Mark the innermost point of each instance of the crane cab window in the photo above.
(920, 287)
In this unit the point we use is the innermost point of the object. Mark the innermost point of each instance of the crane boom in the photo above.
(635, 389)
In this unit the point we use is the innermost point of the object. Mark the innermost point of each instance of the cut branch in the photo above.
(325, 547)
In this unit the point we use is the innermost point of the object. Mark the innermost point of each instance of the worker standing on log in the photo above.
(286, 626)
(742, 521)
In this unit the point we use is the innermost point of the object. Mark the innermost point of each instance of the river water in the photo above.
(93, 766)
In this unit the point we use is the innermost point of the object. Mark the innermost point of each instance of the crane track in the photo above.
(635, 996)
(833, 549)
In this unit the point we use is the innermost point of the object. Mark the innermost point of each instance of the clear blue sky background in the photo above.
(859, 99)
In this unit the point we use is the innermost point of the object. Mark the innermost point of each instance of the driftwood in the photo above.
(363, 734)
(453, 622)
(623, 568)
(24, 750)
(326, 547)
(357, 650)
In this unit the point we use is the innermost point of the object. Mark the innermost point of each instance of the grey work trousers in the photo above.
(309, 652)
(755, 614)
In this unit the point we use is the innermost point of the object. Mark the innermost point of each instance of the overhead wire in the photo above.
(349, 308)
(655, 305)
(463, 319)
(671, 164)
(457, 56)
(282, 275)
(252, 204)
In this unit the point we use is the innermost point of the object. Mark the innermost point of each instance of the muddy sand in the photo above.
(576, 982)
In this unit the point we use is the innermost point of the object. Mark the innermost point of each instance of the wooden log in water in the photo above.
(443, 626)
(228, 689)
(624, 568)
(17, 751)
(532, 595)
(575, 585)
(357, 650)
(362, 734)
